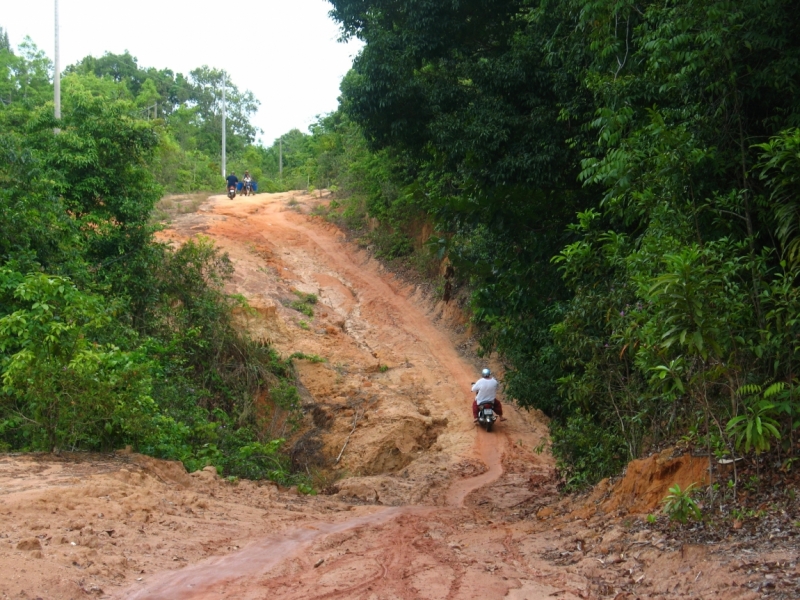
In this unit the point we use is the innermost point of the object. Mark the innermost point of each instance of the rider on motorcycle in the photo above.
(247, 181)
(232, 180)
(485, 392)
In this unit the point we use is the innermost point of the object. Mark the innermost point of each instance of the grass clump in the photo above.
(302, 307)
(304, 303)
(314, 358)
(307, 298)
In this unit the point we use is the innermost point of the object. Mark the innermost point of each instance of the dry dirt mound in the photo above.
(647, 481)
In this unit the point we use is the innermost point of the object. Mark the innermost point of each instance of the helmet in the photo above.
(486, 373)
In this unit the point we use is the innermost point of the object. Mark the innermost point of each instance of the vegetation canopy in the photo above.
(108, 338)
(614, 188)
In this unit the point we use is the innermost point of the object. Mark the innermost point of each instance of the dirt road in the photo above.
(388, 366)
(418, 503)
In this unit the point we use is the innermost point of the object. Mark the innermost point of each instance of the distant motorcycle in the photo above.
(486, 415)
(231, 191)
(247, 188)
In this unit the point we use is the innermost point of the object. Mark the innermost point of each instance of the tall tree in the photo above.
(24, 77)
(206, 101)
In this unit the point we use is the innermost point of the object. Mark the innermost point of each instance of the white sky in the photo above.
(284, 51)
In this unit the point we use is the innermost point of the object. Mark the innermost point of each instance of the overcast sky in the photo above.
(285, 51)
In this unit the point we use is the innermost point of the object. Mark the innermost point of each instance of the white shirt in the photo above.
(486, 388)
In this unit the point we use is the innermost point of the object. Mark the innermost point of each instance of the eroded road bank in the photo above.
(417, 503)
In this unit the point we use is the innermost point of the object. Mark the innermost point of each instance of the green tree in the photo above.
(24, 77)
(207, 103)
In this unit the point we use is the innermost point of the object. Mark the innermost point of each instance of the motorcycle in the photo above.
(247, 188)
(231, 191)
(486, 415)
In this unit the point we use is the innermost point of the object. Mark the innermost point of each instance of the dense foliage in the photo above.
(617, 182)
(108, 338)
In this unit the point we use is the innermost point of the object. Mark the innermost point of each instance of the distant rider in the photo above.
(247, 181)
(232, 180)
(485, 393)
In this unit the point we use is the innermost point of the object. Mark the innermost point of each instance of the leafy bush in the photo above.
(757, 426)
(63, 386)
(585, 451)
(390, 243)
(679, 504)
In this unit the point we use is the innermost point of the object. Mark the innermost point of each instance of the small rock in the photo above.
(29, 545)
(319, 562)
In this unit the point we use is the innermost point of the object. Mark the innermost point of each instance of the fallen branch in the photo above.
(356, 415)
(528, 499)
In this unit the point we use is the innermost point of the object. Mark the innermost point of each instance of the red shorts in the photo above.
(498, 408)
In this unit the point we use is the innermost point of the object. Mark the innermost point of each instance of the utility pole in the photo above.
(223, 125)
(57, 71)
